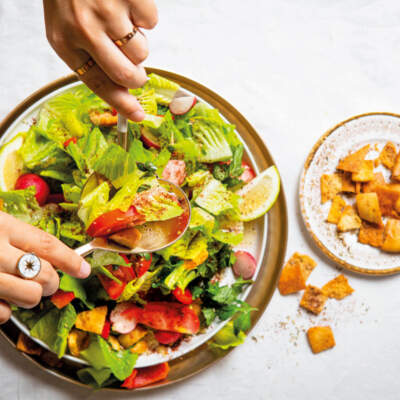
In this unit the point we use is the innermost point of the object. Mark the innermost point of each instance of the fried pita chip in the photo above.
(368, 208)
(331, 185)
(292, 279)
(377, 162)
(349, 220)
(338, 204)
(337, 288)
(93, 320)
(388, 155)
(320, 338)
(388, 196)
(366, 173)
(348, 185)
(358, 187)
(353, 162)
(306, 263)
(391, 236)
(396, 168)
(371, 234)
(370, 186)
(27, 345)
(77, 341)
(313, 299)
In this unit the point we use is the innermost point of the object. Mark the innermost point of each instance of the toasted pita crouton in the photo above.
(368, 207)
(115, 344)
(371, 234)
(127, 237)
(391, 236)
(349, 220)
(320, 338)
(93, 320)
(306, 263)
(388, 155)
(77, 341)
(371, 185)
(388, 196)
(338, 288)
(27, 345)
(348, 185)
(353, 162)
(331, 185)
(313, 299)
(105, 118)
(51, 359)
(358, 187)
(129, 339)
(396, 168)
(338, 204)
(377, 162)
(140, 347)
(292, 279)
(365, 174)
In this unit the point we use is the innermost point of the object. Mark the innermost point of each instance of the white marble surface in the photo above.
(294, 68)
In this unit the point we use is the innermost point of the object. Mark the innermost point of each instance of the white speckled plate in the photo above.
(343, 248)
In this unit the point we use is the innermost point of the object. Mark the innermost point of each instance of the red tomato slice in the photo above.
(183, 297)
(142, 265)
(114, 289)
(70, 140)
(248, 174)
(165, 337)
(114, 221)
(146, 376)
(60, 298)
(106, 330)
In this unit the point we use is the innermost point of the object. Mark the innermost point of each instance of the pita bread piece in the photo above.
(338, 204)
(368, 207)
(331, 185)
(349, 220)
(292, 279)
(372, 185)
(388, 155)
(348, 186)
(391, 236)
(353, 162)
(306, 263)
(338, 288)
(320, 338)
(313, 299)
(371, 234)
(366, 173)
(396, 168)
(389, 197)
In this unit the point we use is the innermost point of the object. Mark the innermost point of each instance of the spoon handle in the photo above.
(85, 249)
(122, 128)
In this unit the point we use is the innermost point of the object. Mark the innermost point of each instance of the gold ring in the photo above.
(85, 67)
(126, 38)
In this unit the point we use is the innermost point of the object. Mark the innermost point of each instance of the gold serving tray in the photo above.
(262, 289)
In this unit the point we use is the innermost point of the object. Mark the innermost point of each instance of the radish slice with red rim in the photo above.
(245, 265)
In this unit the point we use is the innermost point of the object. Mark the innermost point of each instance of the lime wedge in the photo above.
(259, 195)
(11, 163)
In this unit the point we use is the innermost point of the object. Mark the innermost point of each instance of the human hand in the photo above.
(80, 29)
(18, 238)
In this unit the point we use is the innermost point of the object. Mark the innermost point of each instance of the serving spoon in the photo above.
(155, 235)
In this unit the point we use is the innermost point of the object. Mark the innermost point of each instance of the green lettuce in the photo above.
(92, 147)
(95, 377)
(164, 88)
(100, 355)
(202, 220)
(101, 258)
(71, 192)
(228, 231)
(226, 337)
(20, 203)
(70, 284)
(123, 199)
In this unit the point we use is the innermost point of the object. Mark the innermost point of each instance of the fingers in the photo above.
(21, 292)
(31, 239)
(47, 277)
(5, 312)
(144, 13)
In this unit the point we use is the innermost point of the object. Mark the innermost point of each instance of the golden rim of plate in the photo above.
(263, 288)
(321, 246)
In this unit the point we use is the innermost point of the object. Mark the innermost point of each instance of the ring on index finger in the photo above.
(126, 38)
(29, 266)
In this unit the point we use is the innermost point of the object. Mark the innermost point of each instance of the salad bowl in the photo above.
(265, 237)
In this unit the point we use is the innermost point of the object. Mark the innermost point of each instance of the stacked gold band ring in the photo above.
(126, 38)
(85, 67)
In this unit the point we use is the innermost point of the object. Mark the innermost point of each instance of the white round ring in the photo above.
(29, 266)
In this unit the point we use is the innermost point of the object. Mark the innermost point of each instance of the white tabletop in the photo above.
(294, 69)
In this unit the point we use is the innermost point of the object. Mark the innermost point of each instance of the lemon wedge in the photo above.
(11, 163)
(259, 195)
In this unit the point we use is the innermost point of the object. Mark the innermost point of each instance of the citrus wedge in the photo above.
(11, 163)
(259, 195)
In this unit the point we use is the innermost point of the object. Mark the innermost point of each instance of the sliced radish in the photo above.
(42, 188)
(181, 105)
(122, 323)
(245, 264)
(149, 139)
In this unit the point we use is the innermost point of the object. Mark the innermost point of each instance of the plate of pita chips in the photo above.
(350, 193)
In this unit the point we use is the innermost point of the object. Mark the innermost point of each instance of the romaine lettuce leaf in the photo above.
(139, 153)
(123, 199)
(226, 337)
(116, 164)
(95, 377)
(94, 204)
(71, 192)
(164, 88)
(162, 160)
(229, 231)
(58, 175)
(147, 99)
(70, 284)
(92, 146)
(20, 203)
(65, 324)
(201, 220)
(100, 355)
